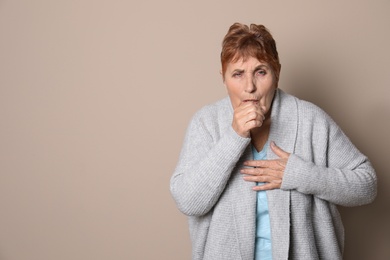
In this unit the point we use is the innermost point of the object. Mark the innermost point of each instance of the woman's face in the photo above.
(250, 81)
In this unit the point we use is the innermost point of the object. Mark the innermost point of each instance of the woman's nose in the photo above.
(250, 85)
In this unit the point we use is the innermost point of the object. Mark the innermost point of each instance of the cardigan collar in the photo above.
(284, 123)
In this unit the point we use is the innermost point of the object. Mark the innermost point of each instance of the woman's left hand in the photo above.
(270, 172)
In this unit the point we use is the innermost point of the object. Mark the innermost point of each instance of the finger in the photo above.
(268, 186)
(249, 112)
(244, 108)
(249, 125)
(252, 115)
(250, 171)
(258, 163)
(277, 165)
(254, 171)
(265, 172)
(250, 108)
(279, 151)
(261, 178)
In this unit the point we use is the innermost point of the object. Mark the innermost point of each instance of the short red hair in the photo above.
(242, 42)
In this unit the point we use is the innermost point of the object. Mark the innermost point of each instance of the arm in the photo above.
(205, 165)
(347, 179)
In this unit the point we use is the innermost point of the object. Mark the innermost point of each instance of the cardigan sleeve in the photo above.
(342, 175)
(205, 164)
(341, 186)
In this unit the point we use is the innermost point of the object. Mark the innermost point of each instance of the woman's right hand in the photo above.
(247, 115)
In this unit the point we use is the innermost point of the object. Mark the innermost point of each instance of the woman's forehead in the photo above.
(246, 61)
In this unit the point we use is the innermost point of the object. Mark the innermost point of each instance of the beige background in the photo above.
(95, 97)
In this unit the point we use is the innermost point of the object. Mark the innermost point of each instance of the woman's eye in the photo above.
(237, 75)
(261, 72)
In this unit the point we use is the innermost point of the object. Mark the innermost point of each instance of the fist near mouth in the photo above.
(248, 115)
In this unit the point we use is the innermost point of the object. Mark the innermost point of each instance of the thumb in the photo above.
(279, 151)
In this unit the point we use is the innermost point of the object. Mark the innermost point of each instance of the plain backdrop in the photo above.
(95, 97)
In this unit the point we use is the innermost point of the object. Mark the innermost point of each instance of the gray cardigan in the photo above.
(324, 170)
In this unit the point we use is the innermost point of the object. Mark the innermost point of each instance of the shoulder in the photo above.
(308, 113)
(306, 107)
(314, 120)
(216, 112)
(212, 119)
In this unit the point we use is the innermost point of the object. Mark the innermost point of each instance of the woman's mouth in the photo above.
(251, 100)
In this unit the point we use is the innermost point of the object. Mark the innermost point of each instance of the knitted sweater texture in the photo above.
(324, 170)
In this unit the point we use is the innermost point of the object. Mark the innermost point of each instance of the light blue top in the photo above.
(263, 247)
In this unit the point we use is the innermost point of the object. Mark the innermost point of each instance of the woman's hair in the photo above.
(242, 42)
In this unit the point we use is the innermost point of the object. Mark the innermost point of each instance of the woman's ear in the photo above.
(223, 78)
(278, 76)
(280, 68)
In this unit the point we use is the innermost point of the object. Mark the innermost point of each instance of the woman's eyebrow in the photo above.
(262, 66)
(238, 70)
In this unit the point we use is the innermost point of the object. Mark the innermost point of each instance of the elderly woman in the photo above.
(261, 172)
